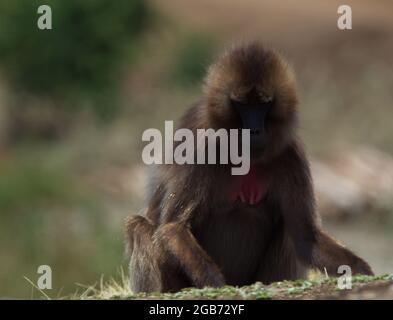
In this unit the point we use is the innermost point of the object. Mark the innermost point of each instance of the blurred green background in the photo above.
(74, 101)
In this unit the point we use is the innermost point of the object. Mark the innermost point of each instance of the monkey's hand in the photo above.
(177, 239)
(362, 267)
(329, 254)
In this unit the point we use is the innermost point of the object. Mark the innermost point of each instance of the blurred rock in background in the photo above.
(355, 184)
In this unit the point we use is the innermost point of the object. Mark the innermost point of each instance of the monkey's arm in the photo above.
(296, 202)
(177, 239)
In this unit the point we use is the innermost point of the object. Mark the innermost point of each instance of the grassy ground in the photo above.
(363, 287)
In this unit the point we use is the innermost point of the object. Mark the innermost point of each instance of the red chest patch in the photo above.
(249, 188)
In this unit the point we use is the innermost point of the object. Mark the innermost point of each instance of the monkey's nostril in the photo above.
(255, 131)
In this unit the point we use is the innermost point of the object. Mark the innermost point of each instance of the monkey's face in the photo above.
(252, 110)
(252, 88)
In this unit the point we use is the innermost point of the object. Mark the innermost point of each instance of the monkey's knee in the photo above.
(138, 231)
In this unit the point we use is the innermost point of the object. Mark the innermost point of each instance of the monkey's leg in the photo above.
(144, 272)
(327, 253)
(280, 261)
(178, 240)
(150, 268)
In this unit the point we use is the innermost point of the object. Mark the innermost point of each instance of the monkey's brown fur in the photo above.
(191, 235)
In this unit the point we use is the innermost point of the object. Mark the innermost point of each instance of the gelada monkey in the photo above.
(206, 227)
